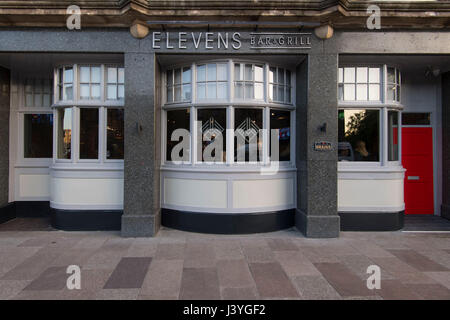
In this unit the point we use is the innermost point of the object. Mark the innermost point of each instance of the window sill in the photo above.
(224, 168)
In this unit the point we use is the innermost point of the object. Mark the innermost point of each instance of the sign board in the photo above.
(323, 146)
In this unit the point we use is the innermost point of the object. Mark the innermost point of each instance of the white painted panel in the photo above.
(263, 193)
(195, 193)
(73, 193)
(34, 185)
(370, 195)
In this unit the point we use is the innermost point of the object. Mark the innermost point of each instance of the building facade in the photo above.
(237, 118)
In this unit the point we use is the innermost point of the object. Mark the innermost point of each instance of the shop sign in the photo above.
(323, 146)
(230, 40)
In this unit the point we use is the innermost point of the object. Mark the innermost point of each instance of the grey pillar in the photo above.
(445, 209)
(141, 216)
(5, 211)
(316, 214)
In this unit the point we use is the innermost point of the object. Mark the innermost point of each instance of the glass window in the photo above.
(179, 86)
(393, 84)
(115, 83)
(212, 81)
(67, 83)
(281, 120)
(89, 133)
(177, 119)
(38, 93)
(64, 146)
(213, 123)
(115, 134)
(90, 82)
(393, 133)
(359, 83)
(416, 119)
(358, 132)
(38, 135)
(280, 85)
(247, 135)
(248, 81)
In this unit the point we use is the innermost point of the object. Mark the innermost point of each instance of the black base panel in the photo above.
(372, 221)
(445, 211)
(86, 220)
(32, 209)
(225, 223)
(7, 212)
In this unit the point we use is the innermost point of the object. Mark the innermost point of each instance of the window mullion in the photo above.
(266, 136)
(102, 127)
(229, 148)
(384, 137)
(194, 133)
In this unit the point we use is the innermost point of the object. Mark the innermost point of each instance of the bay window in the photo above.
(89, 120)
(232, 124)
(368, 116)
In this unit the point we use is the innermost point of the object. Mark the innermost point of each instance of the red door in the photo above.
(417, 159)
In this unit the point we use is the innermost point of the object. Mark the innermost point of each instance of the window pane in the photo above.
(29, 100)
(176, 119)
(95, 91)
(64, 133)
(271, 91)
(288, 77)
(115, 134)
(416, 119)
(374, 75)
(248, 91)
(349, 75)
(201, 91)
(288, 94)
(112, 75)
(237, 72)
(341, 91)
(212, 73)
(358, 132)
(349, 92)
(121, 75)
(259, 74)
(68, 92)
(280, 76)
(47, 100)
(169, 94)
(121, 91)
(169, 77)
(88, 133)
(212, 90)
(247, 139)
(95, 74)
(281, 120)
(84, 91)
(393, 136)
(38, 135)
(213, 124)
(187, 75)
(177, 76)
(112, 91)
(222, 88)
(281, 93)
(201, 73)
(68, 75)
(341, 75)
(177, 93)
(186, 92)
(361, 75)
(85, 75)
(38, 100)
(390, 92)
(272, 74)
(239, 90)
(259, 91)
(361, 92)
(374, 92)
(248, 72)
(222, 74)
(391, 75)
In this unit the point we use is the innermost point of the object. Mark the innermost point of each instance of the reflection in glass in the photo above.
(176, 119)
(358, 132)
(38, 135)
(247, 140)
(281, 120)
(64, 133)
(88, 133)
(115, 134)
(213, 124)
(393, 133)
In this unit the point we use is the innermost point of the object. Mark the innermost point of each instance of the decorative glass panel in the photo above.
(177, 119)
(247, 138)
(213, 124)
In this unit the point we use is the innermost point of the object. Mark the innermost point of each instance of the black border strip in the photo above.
(86, 220)
(228, 223)
(372, 221)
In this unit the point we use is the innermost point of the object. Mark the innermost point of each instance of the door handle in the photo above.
(413, 178)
